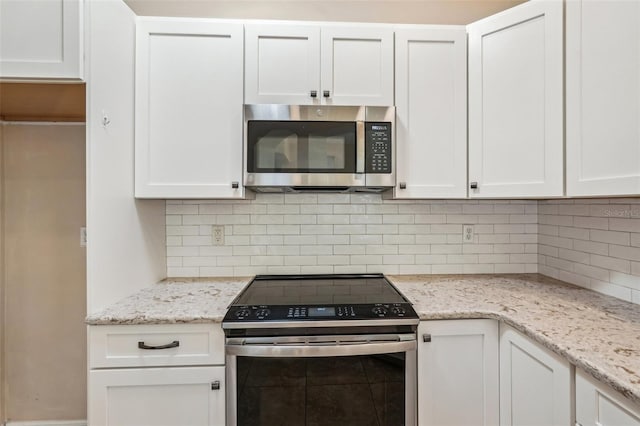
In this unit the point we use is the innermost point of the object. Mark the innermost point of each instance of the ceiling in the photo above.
(458, 12)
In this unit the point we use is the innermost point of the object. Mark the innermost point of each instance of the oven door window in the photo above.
(348, 390)
(301, 147)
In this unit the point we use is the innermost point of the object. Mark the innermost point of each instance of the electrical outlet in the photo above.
(467, 234)
(83, 237)
(218, 235)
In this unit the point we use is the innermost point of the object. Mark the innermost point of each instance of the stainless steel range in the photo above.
(321, 349)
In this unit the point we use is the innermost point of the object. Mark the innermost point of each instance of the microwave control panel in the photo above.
(378, 147)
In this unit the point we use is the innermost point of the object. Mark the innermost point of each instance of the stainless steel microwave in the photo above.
(319, 148)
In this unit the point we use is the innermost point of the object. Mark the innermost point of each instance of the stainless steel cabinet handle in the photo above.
(326, 94)
(313, 93)
(215, 385)
(235, 185)
(403, 185)
(426, 338)
(173, 344)
(474, 185)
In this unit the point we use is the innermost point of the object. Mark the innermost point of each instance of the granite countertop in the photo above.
(597, 333)
(174, 301)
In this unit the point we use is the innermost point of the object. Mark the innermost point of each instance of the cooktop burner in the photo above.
(317, 298)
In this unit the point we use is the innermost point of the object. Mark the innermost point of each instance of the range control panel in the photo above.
(328, 312)
(378, 147)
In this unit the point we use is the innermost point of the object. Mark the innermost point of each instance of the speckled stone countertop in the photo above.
(597, 333)
(174, 301)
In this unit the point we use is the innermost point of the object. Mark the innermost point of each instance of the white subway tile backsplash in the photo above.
(297, 240)
(267, 239)
(622, 252)
(283, 251)
(381, 249)
(263, 219)
(603, 255)
(316, 250)
(592, 243)
(610, 263)
(575, 233)
(174, 241)
(430, 218)
(610, 289)
(591, 222)
(183, 272)
(366, 239)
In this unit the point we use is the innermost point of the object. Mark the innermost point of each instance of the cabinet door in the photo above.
(535, 384)
(516, 102)
(431, 113)
(458, 373)
(188, 109)
(282, 64)
(598, 405)
(157, 396)
(41, 39)
(357, 66)
(603, 97)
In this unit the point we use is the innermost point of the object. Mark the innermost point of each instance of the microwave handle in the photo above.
(360, 146)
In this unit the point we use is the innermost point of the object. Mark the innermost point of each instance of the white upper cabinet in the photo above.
(330, 65)
(41, 39)
(282, 64)
(603, 97)
(188, 109)
(516, 102)
(535, 383)
(357, 66)
(599, 405)
(458, 373)
(431, 112)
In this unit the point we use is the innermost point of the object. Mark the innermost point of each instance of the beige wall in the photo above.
(392, 11)
(45, 337)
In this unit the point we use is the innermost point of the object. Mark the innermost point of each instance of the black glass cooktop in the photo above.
(317, 290)
(318, 298)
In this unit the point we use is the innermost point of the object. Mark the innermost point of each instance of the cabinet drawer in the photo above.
(155, 345)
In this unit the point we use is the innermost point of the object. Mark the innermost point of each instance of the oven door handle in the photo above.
(325, 349)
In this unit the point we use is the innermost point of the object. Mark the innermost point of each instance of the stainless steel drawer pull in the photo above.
(173, 344)
(215, 385)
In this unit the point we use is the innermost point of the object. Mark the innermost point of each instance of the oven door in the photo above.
(300, 380)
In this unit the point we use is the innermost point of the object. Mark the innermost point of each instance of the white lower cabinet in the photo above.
(599, 405)
(535, 384)
(156, 375)
(458, 373)
(157, 396)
